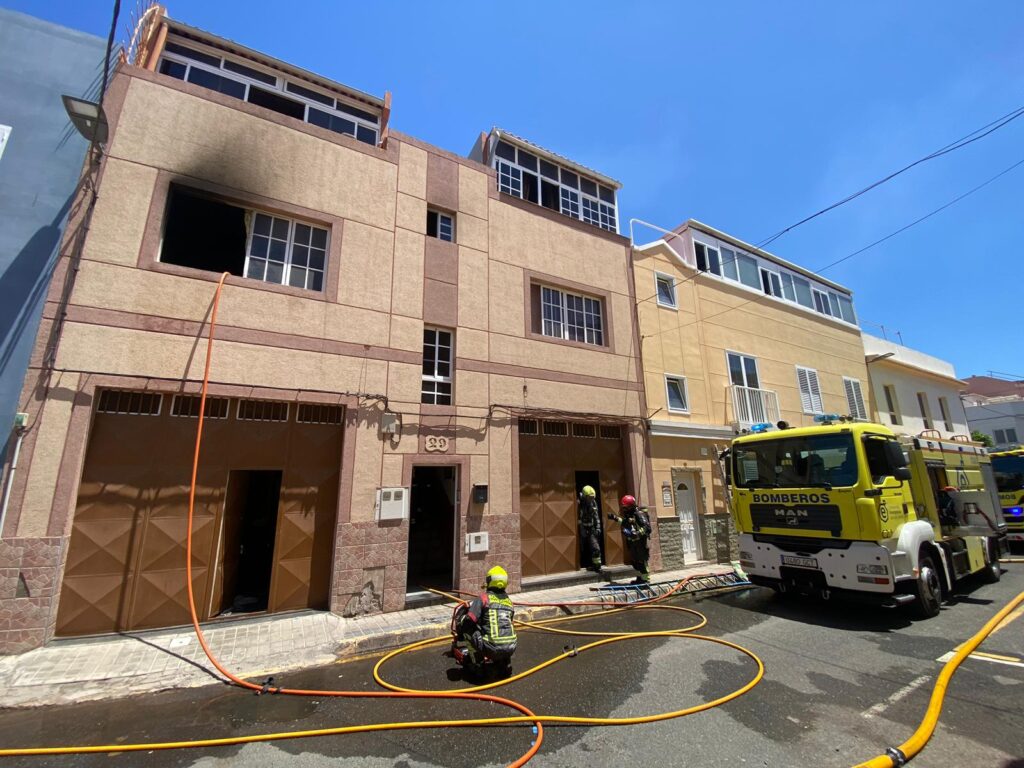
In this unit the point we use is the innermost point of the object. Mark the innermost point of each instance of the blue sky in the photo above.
(747, 116)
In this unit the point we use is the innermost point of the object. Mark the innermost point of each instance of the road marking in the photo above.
(902, 693)
(1010, 661)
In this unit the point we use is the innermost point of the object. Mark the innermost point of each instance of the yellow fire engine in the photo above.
(849, 509)
(1008, 467)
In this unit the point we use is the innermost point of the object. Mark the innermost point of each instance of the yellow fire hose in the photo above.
(897, 756)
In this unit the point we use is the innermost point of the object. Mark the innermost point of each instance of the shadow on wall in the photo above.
(24, 283)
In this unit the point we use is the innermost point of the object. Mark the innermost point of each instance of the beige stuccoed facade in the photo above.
(693, 324)
(322, 388)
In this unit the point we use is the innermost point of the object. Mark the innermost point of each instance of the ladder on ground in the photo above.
(638, 593)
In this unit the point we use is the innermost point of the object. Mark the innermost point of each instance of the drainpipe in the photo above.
(20, 427)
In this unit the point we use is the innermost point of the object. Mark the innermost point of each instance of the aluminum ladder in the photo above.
(638, 593)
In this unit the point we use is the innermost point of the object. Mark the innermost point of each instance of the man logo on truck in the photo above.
(791, 516)
(791, 498)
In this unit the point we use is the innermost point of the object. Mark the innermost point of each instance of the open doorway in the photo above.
(250, 528)
(432, 528)
(593, 479)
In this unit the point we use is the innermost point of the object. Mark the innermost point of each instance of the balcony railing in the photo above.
(754, 406)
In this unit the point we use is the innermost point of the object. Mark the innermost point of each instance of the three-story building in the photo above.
(420, 358)
(732, 336)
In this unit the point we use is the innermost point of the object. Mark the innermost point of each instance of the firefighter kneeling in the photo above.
(484, 632)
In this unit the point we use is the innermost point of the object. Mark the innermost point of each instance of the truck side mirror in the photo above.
(901, 473)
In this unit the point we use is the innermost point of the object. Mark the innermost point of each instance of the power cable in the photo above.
(963, 141)
(849, 255)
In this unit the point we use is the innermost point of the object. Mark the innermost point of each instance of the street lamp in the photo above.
(875, 358)
(87, 117)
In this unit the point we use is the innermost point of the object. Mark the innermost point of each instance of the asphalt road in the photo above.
(842, 682)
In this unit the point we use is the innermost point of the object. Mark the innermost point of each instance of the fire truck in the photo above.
(849, 509)
(1008, 467)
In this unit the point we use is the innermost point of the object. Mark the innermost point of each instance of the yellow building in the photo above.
(732, 336)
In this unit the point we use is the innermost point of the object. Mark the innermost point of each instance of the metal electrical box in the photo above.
(477, 542)
(392, 504)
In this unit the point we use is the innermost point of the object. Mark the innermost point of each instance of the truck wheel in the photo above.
(991, 573)
(929, 590)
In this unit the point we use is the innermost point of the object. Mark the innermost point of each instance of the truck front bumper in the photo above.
(820, 566)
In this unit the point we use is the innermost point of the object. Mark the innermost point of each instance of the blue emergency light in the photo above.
(759, 428)
(827, 418)
(1018, 511)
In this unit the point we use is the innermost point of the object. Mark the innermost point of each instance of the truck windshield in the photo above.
(819, 461)
(1009, 472)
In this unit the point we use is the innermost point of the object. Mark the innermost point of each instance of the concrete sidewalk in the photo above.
(119, 665)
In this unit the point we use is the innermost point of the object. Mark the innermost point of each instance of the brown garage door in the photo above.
(126, 559)
(550, 455)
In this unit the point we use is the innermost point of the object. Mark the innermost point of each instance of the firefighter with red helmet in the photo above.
(636, 528)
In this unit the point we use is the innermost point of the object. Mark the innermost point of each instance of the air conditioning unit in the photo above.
(477, 542)
(392, 504)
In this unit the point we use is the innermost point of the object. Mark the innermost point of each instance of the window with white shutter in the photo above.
(854, 398)
(810, 390)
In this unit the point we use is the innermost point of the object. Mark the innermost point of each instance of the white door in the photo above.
(686, 506)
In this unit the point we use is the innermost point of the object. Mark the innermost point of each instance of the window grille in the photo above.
(187, 406)
(262, 410)
(129, 403)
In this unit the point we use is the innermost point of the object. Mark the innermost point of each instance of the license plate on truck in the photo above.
(800, 562)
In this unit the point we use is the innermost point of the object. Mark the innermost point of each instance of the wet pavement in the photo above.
(842, 683)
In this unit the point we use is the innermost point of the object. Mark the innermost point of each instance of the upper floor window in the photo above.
(810, 390)
(892, 405)
(743, 370)
(269, 90)
(1005, 436)
(855, 398)
(947, 420)
(675, 388)
(437, 367)
(441, 225)
(926, 411)
(571, 316)
(527, 175)
(202, 232)
(666, 289)
(767, 277)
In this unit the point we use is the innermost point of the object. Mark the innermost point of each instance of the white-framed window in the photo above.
(666, 289)
(855, 398)
(947, 420)
(571, 316)
(1005, 436)
(675, 393)
(286, 252)
(707, 258)
(821, 302)
(810, 390)
(527, 175)
(788, 287)
(771, 282)
(743, 370)
(892, 404)
(208, 68)
(926, 411)
(437, 367)
(440, 225)
(510, 179)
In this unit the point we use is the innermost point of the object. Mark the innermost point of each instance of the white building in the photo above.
(1001, 418)
(912, 391)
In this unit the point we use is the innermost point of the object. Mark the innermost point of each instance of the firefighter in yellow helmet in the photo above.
(486, 626)
(590, 528)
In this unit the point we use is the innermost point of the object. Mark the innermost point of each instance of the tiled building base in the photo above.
(29, 570)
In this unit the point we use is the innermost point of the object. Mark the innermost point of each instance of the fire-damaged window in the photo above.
(202, 232)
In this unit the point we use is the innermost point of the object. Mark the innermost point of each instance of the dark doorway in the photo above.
(593, 479)
(431, 528)
(250, 527)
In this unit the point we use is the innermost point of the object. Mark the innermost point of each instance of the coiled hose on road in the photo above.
(475, 693)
